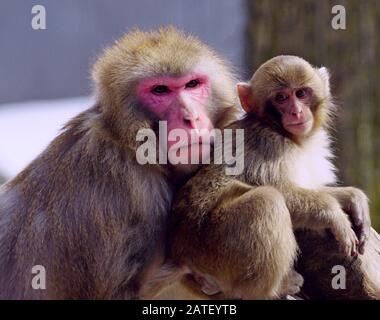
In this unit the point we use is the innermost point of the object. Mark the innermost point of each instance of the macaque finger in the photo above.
(357, 220)
(361, 248)
(359, 231)
(362, 239)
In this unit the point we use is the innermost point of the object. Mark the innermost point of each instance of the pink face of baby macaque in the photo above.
(294, 106)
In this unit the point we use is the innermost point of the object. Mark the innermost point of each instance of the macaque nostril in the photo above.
(296, 112)
(189, 123)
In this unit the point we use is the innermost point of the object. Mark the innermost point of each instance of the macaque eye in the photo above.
(301, 93)
(192, 83)
(160, 89)
(280, 97)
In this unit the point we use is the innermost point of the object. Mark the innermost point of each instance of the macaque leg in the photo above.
(256, 248)
(245, 250)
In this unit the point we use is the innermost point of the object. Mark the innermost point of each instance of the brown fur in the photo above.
(84, 209)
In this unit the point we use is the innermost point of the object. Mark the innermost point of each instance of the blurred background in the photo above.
(44, 74)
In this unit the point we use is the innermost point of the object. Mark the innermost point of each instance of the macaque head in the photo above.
(166, 76)
(289, 93)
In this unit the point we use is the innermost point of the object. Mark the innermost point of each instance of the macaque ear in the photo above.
(245, 95)
(325, 76)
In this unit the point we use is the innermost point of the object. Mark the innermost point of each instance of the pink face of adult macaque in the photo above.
(181, 101)
(175, 86)
(294, 106)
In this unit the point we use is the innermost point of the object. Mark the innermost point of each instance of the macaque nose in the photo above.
(191, 118)
(192, 123)
(296, 110)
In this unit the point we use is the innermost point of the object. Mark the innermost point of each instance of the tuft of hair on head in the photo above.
(140, 54)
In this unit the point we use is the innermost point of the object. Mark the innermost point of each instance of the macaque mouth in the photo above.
(298, 124)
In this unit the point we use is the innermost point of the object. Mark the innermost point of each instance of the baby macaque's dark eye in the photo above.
(301, 93)
(280, 97)
(160, 89)
(192, 84)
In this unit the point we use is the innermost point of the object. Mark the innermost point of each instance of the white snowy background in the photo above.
(27, 128)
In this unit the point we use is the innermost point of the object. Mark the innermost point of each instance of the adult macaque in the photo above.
(85, 209)
(234, 234)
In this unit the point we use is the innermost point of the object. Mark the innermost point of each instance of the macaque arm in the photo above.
(310, 209)
(317, 210)
(354, 202)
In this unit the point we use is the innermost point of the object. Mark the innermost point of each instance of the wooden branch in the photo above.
(320, 253)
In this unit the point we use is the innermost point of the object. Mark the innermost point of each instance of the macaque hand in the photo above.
(355, 204)
(345, 235)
